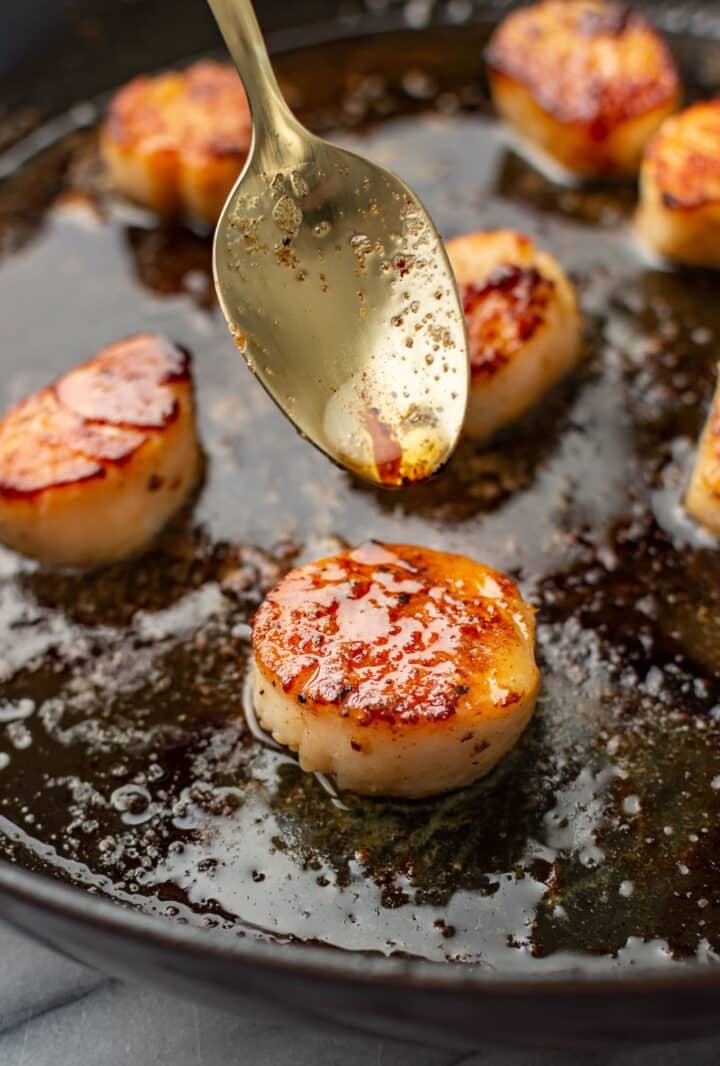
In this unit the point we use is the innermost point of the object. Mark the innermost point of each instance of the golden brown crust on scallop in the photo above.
(678, 214)
(584, 83)
(200, 112)
(585, 61)
(44, 445)
(683, 160)
(390, 634)
(523, 323)
(93, 466)
(178, 141)
(505, 295)
(127, 383)
(93, 418)
(502, 312)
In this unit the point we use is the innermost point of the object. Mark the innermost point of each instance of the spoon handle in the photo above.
(244, 40)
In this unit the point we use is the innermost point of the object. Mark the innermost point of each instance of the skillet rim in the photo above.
(307, 960)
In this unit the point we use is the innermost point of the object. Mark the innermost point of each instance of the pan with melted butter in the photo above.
(126, 763)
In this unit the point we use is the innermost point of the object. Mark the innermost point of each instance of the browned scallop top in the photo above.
(684, 158)
(503, 311)
(391, 633)
(586, 61)
(197, 113)
(98, 415)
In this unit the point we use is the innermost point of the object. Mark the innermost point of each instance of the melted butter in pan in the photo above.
(125, 760)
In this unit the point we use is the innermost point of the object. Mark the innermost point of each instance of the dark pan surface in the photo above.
(126, 765)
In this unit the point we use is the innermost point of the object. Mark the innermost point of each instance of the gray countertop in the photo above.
(54, 1012)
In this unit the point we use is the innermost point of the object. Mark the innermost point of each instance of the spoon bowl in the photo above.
(337, 289)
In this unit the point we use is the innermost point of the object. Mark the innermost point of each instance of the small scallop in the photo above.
(703, 496)
(178, 141)
(523, 322)
(93, 466)
(679, 212)
(586, 83)
(399, 670)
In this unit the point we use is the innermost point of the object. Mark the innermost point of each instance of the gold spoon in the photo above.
(337, 289)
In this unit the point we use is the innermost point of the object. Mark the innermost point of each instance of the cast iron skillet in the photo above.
(574, 895)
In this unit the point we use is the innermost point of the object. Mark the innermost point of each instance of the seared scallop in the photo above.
(94, 465)
(585, 82)
(399, 670)
(523, 324)
(703, 495)
(679, 213)
(178, 141)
